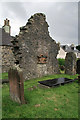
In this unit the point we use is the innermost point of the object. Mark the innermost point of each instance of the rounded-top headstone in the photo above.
(70, 63)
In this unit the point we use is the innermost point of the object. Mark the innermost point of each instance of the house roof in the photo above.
(5, 38)
(68, 49)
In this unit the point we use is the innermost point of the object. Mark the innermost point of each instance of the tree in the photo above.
(78, 47)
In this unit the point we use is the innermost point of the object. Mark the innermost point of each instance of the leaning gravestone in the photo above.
(15, 75)
(70, 63)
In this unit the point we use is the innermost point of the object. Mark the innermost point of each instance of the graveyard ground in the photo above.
(58, 102)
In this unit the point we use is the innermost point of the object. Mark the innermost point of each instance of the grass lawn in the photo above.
(4, 76)
(58, 102)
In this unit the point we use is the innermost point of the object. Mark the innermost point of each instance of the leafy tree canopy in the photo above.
(78, 47)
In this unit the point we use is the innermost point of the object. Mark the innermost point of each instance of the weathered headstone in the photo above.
(15, 75)
(70, 63)
(78, 66)
(78, 69)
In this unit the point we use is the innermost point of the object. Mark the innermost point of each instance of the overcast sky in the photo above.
(62, 18)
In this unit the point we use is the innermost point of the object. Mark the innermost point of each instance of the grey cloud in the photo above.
(64, 22)
(79, 23)
(14, 10)
(61, 17)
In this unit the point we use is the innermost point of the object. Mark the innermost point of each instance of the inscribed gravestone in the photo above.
(15, 75)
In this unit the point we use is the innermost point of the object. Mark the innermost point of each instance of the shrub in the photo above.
(61, 62)
(78, 47)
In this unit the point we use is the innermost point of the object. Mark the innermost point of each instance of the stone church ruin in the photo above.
(34, 50)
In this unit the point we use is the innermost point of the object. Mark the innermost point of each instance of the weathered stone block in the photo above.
(15, 75)
(70, 63)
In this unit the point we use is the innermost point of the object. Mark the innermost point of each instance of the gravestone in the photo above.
(70, 63)
(78, 66)
(15, 75)
(78, 69)
(56, 82)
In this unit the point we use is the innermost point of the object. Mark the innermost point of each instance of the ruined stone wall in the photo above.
(7, 58)
(35, 50)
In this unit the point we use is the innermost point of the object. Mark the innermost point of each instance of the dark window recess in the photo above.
(42, 59)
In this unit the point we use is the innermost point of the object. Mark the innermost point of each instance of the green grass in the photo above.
(58, 102)
(4, 76)
(62, 71)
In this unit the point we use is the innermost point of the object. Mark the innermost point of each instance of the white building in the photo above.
(62, 53)
(64, 49)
